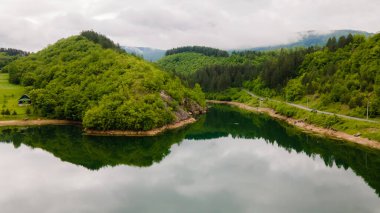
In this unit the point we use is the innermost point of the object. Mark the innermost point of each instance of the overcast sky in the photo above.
(33, 24)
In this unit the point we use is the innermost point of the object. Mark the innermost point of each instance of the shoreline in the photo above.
(152, 132)
(303, 125)
(37, 122)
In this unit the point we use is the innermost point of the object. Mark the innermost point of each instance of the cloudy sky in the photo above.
(33, 24)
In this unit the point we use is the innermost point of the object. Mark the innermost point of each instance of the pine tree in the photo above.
(349, 39)
(342, 42)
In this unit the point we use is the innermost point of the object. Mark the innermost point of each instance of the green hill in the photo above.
(186, 63)
(345, 74)
(341, 77)
(7, 55)
(209, 51)
(90, 79)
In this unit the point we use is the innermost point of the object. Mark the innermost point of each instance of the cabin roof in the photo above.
(24, 97)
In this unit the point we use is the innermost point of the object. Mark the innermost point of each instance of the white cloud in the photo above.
(32, 25)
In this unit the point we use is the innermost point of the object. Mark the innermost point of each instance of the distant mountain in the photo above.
(313, 38)
(149, 54)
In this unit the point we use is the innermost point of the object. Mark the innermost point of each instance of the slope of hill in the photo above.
(313, 38)
(7, 55)
(342, 76)
(149, 54)
(78, 79)
(219, 73)
(349, 75)
(187, 63)
(208, 51)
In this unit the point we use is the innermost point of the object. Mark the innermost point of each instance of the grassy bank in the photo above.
(365, 129)
(9, 95)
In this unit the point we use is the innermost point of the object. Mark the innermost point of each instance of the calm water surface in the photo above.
(229, 161)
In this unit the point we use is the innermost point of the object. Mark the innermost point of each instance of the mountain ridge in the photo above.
(312, 38)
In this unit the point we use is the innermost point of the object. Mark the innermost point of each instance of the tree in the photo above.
(349, 39)
(342, 42)
(331, 44)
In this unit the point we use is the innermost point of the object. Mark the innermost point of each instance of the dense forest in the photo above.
(208, 51)
(105, 42)
(7, 55)
(88, 78)
(215, 74)
(345, 72)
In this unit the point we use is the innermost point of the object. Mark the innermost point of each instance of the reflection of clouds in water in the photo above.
(218, 175)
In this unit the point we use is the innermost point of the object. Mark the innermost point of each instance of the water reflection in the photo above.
(69, 144)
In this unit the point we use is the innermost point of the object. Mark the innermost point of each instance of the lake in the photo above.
(229, 161)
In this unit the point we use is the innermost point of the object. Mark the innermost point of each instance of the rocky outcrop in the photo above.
(193, 107)
(187, 108)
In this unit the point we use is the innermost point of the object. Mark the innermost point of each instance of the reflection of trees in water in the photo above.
(223, 120)
(68, 143)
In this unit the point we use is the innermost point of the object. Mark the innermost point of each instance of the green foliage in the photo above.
(208, 51)
(7, 55)
(346, 71)
(102, 40)
(258, 87)
(294, 90)
(186, 64)
(345, 74)
(220, 77)
(215, 73)
(78, 79)
(284, 109)
(326, 121)
(332, 44)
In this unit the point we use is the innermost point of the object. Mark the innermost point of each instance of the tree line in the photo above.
(102, 40)
(13, 52)
(208, 51)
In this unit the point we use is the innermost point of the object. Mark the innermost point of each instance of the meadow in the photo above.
(9, 95)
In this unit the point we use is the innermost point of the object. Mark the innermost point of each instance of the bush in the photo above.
(326, 121)
(285, 110)
(7, 112)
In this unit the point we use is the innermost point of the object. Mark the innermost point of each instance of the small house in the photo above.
(24, 100)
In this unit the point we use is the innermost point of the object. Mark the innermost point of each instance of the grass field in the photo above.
(9, 95)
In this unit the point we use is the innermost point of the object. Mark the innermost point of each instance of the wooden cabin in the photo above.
(24, 100)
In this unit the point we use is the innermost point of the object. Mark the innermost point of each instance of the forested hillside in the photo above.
(7, 55)
(209, 51)
(215, 74)
(187, 63)
(342, 75)
(347, 71)
(89, 78)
